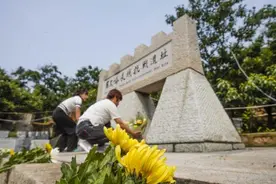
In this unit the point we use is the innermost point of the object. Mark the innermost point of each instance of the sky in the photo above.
(72, 34)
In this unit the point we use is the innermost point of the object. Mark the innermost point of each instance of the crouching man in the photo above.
(90, 125)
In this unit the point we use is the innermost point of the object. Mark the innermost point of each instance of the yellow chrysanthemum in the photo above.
(48, 147)
(139, 122)
(12, 152)
(144, 120)
(119, 136)
(147, 162)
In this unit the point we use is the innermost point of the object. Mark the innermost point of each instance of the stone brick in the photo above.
(167, 147)
(237, 146)
(209, 147)
(35, 174)
(197, 147)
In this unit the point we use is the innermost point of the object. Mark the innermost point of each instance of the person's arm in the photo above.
(126, 127)
(116, 117)
(78, 113)
(78, 107)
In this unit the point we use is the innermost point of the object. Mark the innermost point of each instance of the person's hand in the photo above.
(137, 134)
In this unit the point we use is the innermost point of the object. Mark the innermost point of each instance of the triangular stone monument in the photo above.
(189, 117)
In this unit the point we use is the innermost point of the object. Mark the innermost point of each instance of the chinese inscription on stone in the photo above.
(153, 63)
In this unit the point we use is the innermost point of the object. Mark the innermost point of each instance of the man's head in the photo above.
(115, 96)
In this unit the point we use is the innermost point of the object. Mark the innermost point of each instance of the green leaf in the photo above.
(66, 171)
(62, 181)
(109, 157)
(109, 179)
(85, 166)
(74, 180)
(74, 164)
(100, 180)
(129, 181)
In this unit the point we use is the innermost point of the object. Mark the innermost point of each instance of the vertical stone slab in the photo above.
(102, 77)
(189, 112)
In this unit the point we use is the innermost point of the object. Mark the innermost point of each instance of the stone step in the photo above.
(32, 174)
(250, 166)
(48, 174)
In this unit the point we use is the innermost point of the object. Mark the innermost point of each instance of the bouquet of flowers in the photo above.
(139, 123)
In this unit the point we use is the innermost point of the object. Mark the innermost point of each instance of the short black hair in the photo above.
(114, 93)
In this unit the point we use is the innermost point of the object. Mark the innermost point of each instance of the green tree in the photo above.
(52, 87)
(27, 78)
(46, 82)
(87, 77)
(15, 98)
(225, 26)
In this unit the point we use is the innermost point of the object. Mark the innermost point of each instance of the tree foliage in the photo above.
(230, 26)
(16, 98)
(43, 89)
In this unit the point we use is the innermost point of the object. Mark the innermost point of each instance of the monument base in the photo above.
(201, 147)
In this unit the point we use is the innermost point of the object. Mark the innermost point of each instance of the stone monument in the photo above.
(189, 117)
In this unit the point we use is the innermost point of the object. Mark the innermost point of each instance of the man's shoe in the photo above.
(86, 146)
(102, 148)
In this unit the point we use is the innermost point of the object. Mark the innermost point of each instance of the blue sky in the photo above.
(72, 34)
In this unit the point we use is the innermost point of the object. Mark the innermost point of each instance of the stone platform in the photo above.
(249, 166)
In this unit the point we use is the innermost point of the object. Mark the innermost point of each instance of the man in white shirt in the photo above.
(91, 123)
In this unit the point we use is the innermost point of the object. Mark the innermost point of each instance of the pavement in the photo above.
(249, 166)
